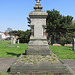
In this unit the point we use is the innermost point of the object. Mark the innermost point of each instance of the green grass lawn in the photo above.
(63, 52)
(30, 74)
(11, 51)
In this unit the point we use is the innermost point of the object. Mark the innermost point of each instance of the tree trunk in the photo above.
(52, 40)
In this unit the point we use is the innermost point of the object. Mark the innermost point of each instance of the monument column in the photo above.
(38, 41)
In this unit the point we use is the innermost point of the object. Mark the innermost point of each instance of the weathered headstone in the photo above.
(18, 41)
(73, 44)
(13, 40)
(38, 41)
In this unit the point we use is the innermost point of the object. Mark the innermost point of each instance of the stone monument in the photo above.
(38, 58)
(73, 44)
(38, 41)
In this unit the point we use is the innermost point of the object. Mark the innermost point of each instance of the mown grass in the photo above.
(63, 52)
(11, 51)
(3, 73)
(30, 74)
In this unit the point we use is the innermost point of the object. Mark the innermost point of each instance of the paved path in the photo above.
(5, 63)
(70, 63)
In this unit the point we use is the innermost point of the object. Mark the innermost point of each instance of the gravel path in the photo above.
(6, 62)
(70, 63)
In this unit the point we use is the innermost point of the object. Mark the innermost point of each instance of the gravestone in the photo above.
(13, 40)
(38, 41)
(18, 41)
(73, 44)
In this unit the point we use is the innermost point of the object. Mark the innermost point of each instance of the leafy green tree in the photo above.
(27, 35)
(58, 25)
(29, 21)
(13, 32)
(24, 36)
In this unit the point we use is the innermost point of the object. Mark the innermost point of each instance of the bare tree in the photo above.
(8, 30)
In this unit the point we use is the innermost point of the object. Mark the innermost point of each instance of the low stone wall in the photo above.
(61, 45)
(56, 44)
(68, 45)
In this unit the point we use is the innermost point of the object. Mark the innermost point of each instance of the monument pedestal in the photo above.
(42, 68)
(38, 64)
(38, 50)
(38, 47)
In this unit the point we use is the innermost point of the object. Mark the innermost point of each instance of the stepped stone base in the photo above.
(38, 50)
(39, 68)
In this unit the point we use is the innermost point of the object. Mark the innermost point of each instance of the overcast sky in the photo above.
(14, 13)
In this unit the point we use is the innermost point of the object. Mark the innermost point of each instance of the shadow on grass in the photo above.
(13, 54)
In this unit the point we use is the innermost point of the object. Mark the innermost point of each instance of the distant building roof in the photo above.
(7, 34)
